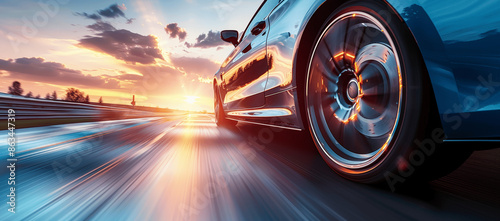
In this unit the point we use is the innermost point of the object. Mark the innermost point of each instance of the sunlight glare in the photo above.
(190, 99)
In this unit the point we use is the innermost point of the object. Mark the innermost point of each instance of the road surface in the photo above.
(186, 168)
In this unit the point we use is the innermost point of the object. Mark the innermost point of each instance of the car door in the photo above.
(245, 71)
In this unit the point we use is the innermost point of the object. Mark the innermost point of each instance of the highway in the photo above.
(186, 168)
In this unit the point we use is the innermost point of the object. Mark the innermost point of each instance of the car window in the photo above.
(264, 10)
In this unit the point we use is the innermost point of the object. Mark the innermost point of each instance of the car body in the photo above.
(263, 80)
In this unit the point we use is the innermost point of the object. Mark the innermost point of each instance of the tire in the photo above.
(220, 116)
(367, 98)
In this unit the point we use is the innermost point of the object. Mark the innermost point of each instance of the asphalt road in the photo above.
(186, 168)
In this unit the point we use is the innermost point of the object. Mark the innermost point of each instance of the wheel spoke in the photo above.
(326, 67)
(332, 55)
(371, 107)
(373, 90)
(354, 40)
(372, 82)
(334, 41)
(359, 142)
(346, 64)
(336, 126)
(368, 73)
(327, 99)
(360, 42)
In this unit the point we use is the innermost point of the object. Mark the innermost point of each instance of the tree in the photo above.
(87, 99)
(37, 96)
(47, 96)
(54, 95)
(100, 100)
(16, 89)
(75, 95)
(29, 94)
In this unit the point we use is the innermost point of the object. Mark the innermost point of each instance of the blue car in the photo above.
(390, 91)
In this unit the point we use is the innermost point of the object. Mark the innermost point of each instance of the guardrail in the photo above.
(32, 108)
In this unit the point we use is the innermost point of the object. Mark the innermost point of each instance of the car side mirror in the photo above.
(230, 36)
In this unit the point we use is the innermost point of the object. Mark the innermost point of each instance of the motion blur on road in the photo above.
(185, 168)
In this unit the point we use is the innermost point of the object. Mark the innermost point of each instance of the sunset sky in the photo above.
(164, 52)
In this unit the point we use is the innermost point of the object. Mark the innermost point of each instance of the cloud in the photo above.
(112, 11)
(90, 16)
(39, 70)
(129, 21)
(129, 77)
(209, 40)
(125, 45)
(175, 31)
(101, 26)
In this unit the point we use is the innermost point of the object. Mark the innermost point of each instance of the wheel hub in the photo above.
(352, 90)
(349, 88)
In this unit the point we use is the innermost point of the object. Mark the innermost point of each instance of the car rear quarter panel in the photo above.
(458, 40)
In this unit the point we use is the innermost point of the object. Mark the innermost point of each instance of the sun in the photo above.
(190, 99)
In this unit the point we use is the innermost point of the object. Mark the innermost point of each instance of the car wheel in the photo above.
(368, 101)
(220, 116)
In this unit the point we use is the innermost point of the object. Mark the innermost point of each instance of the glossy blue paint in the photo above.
(459, 43)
